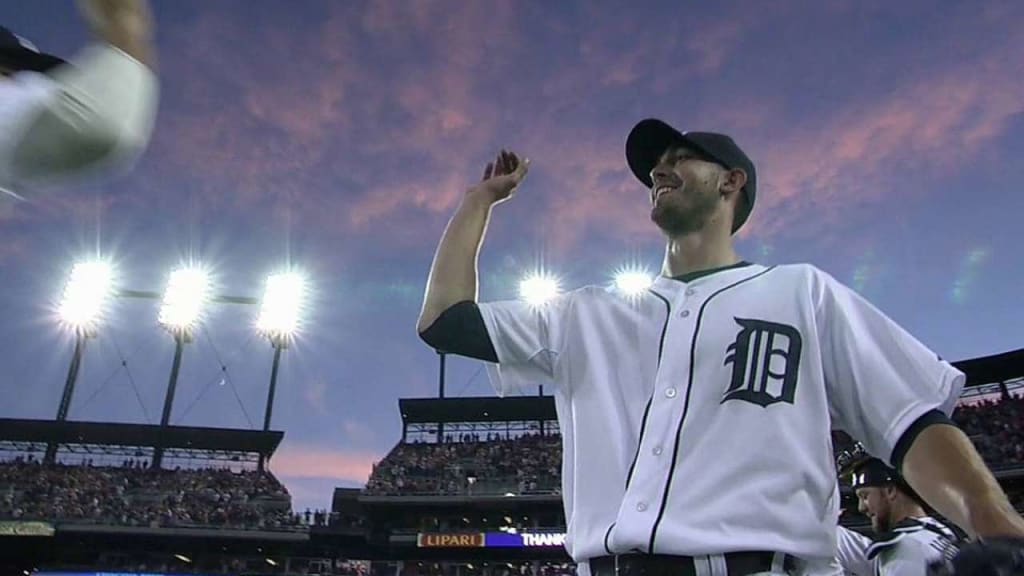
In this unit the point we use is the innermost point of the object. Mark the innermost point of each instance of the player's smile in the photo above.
(660, 189)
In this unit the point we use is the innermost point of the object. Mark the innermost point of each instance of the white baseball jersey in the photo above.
(95, 113)
(906, 551)
(696, 418)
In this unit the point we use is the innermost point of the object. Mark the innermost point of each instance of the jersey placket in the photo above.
(645, 501)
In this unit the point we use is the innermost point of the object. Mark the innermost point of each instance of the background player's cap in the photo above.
(17, 54)
(651, 137)
(874, 472)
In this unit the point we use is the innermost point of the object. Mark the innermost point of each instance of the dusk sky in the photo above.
(340, 135)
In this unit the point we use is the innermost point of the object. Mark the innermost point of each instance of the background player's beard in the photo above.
(675, 219)
(882, 521)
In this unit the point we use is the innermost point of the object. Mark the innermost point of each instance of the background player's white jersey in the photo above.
(696, 419)
(906, 551)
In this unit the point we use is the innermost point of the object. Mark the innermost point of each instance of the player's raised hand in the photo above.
(501, 177)
(125, 24)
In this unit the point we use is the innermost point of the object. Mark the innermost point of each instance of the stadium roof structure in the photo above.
(477, 409)
(993, 369)
(120, 438)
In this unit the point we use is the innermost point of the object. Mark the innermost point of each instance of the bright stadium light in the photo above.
(85, 295)
(537, 289)
(187, 291)
(632, 282)
(281, 310)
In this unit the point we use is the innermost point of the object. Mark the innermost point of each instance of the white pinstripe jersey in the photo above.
(905, 551)
(696, 419)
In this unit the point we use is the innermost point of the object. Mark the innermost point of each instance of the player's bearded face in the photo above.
(873, 503)
(684, 195)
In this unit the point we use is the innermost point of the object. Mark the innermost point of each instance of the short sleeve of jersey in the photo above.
(528, 340)
(880, 379)
(852, 552)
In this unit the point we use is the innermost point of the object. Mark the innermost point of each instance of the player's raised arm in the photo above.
(124, 24)
(453, 275)
(93, 113)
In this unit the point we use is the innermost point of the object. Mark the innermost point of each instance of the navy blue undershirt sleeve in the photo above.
(461, 330)
(927, 419)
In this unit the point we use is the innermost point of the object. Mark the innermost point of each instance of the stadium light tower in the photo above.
(279, 320)
(187, 292)
(81, 310)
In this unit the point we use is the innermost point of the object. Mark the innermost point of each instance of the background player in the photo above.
(720, 352)
(60, 121)
(906, 539)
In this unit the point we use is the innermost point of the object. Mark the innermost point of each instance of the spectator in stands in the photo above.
(523, 464)
(134, 495)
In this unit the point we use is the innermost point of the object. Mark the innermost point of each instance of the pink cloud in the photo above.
(586, 189)
(307, 461)
(13, 248)
(257, 117)
(934, 124)
(314, 392)
(404, 138)
(712, 44)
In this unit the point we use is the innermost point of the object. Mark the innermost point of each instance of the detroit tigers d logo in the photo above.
(765, 362)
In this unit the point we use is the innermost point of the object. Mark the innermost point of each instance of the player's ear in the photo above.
(733, 180)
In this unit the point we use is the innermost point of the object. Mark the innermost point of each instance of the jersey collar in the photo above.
(691, 276)
(670, 286)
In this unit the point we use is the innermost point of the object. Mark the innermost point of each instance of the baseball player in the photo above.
(696, 418)
(64, 120)
(906, 539)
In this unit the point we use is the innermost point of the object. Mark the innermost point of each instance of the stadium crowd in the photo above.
(996, 428)
(524, 464)
(531, 463)
(142, 562)
(134, 495)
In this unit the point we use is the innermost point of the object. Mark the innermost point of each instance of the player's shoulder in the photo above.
(586, 296)
(804, 270)
(816, 280)
(800, 275)
(587, 292)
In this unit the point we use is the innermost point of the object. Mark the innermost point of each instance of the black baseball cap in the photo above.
(874, 472)
(649, 139)
(17, 53)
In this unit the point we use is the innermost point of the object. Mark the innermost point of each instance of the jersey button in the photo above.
(641, 507)
(671, 392)
(690, 291)
(685, 313)
(657, 450)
